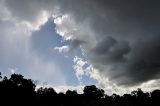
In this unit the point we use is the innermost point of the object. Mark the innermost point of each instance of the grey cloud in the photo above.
(27, 10)
(127, 34)
(110, 50)
(75, 44)
(121, 36)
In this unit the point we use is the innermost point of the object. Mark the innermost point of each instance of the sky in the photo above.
(72, 43)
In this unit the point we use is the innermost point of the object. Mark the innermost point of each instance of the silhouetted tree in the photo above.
(92, 91)
(18, 90)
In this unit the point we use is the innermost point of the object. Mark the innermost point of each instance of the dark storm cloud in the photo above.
(109, 51)
(75, 44)
(127, 34)
(121, 36)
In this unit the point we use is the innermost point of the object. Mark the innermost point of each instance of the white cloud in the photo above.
(41, 20)
(13, 70)
(62, 49)
(65, 26)
(79, 68)
(63, 89)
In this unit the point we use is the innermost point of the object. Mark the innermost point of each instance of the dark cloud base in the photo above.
(127, 34)
(127, 48)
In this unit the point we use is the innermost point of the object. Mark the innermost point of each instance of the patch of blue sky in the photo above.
(44, 40)
(86, 80)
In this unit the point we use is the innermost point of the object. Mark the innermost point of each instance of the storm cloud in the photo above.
(121, 37)
(125, 37)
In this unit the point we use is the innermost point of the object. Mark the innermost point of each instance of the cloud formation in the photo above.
(121, 37)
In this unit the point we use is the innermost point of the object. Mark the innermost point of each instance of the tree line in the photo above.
(18, 90)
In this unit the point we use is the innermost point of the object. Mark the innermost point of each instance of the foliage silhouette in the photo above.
(20, 91)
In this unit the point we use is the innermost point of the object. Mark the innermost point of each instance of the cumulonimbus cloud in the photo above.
(121, 37)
